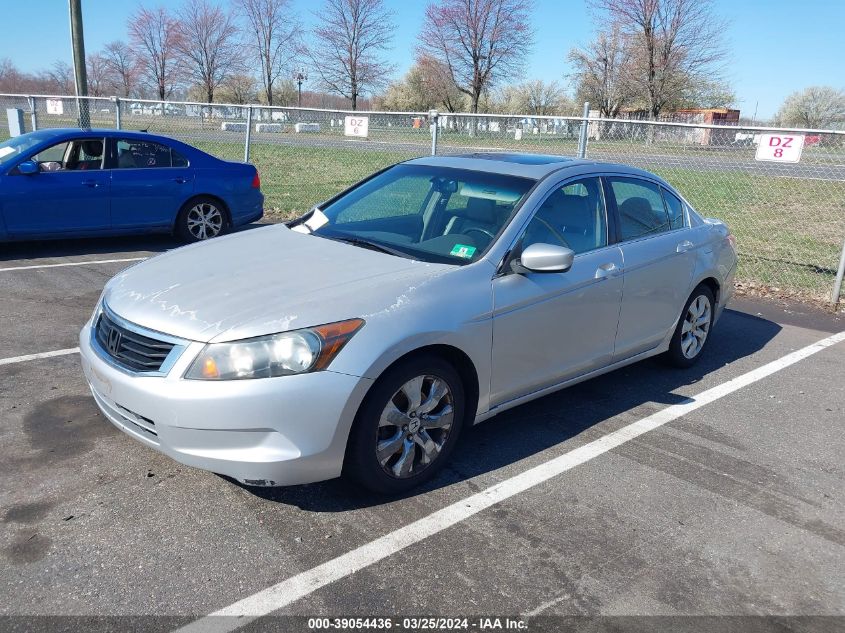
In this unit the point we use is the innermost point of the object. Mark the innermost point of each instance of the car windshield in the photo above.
(433, 214)
(20, 144)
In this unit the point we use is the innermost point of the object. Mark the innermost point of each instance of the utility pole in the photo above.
(77, 40)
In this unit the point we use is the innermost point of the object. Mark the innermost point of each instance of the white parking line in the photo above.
(23, 359)
(85, 263)
(284, 593)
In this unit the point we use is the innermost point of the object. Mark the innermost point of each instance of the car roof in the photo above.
(75, 131)
(525, 165)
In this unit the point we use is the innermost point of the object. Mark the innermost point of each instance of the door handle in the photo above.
(606, 270)
(90, 183)
(180, 180)
(684, 246)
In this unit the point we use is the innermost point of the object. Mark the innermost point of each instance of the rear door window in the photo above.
(640, 206)
(136, 154)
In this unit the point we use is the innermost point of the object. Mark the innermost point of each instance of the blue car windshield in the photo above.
(18, 145)
(434, 214)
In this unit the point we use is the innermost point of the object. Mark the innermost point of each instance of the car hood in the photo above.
(262, 281)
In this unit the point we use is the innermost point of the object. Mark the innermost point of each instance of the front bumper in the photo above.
(269, 431)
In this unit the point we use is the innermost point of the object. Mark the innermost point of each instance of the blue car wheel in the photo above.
(201, 219)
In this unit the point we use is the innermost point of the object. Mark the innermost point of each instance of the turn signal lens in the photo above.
(335, 336)
(209, 369)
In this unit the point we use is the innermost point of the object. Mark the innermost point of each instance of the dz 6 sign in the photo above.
(783, 148)
(356, 126)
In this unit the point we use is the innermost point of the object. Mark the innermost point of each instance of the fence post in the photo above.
(33, 115)
(432, 118)
(582, 138)
(116, 112)
(248, 130)
(837, 285)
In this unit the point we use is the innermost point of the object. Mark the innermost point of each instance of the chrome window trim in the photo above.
(179, 344)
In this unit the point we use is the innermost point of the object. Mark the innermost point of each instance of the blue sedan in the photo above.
(73, 183)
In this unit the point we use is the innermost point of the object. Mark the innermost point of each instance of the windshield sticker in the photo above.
(462, 250)
(5, 151)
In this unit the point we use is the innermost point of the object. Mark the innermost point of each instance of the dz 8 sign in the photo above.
(784, 148)
(356, 126)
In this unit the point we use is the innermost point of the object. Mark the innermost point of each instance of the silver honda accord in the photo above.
(363, 337)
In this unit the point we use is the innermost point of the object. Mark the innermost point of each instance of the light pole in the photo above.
(300, 76)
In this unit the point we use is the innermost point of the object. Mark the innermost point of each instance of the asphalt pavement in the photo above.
(736, 508)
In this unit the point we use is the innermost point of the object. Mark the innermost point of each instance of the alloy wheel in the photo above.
(414, 426)
(696, 326)
(204, 221)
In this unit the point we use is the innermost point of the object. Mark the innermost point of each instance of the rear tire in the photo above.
(407, 426)
(201, 218)
(693, 329)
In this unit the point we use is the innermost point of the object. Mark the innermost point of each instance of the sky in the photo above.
(776, 46)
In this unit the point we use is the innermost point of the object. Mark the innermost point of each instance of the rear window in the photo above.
(675, 208)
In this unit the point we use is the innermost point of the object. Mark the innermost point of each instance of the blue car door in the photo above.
(69, 194)
(150, 182)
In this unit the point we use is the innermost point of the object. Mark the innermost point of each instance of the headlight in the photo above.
(283, 354)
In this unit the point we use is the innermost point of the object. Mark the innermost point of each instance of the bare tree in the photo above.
(155, 38)
(424, 86)
(239, 89)
(349, 37)
(438, 82)
(275, 38)
(98, 75)
(545, 98)
(208, 44)
(11, 79)
(708, 94)
(813, 107)
(604, 72)
(122, 66)
(535, 97)
(478, 42)
(60, 78)
(673, 42)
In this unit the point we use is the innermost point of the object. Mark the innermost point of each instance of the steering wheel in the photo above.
(553, 231)
(480, 230)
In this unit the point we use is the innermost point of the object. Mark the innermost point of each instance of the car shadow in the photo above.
(110, 245)
(541, 424)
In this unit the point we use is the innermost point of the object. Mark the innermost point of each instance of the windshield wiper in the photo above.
(373, 246)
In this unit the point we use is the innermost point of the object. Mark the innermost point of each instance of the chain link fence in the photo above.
(789, 218)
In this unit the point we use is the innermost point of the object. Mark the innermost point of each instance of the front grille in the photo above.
(129, 349)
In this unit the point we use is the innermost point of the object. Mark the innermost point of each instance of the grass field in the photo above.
(789, 230)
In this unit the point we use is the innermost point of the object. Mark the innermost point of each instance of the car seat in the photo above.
(637, 217)
(479, 214)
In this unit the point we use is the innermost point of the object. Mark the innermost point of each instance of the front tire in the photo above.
(407, 426)
(693, 329)
(201, 219)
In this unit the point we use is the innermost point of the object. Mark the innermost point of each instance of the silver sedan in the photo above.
(361, 338)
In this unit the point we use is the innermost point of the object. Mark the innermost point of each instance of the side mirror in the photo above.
(544, 258)
(28, 167)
